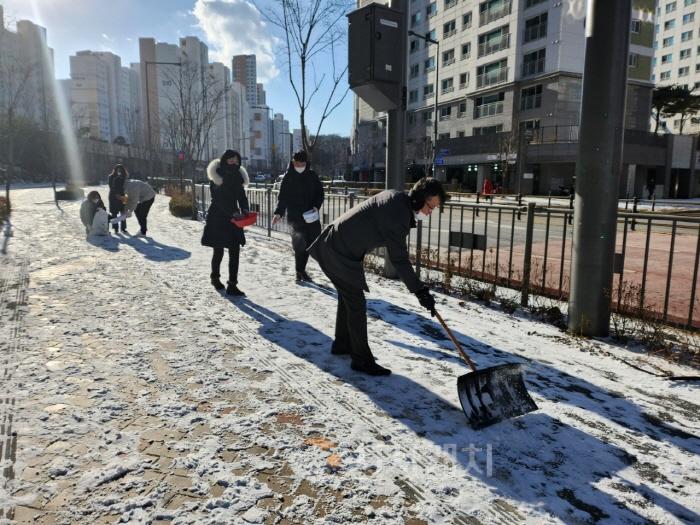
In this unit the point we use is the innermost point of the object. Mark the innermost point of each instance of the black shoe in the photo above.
(232, 289)
(216, 283)
(372, 369)
(299, 278)
(337, 349)
(306, 278)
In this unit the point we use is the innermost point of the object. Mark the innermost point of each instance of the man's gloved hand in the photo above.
(426, 300)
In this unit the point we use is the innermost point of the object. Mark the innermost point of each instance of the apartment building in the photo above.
(499, 68)
(244, 71)
(677, 54)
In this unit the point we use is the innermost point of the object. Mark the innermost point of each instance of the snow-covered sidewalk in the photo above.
(133, 392)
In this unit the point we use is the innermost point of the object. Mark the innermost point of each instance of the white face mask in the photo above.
(299, 170)
(420, 216)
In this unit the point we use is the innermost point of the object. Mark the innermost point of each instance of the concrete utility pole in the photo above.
(396, 127)
(396, 122)
(598, 165)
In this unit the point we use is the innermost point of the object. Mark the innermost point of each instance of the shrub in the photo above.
(182, 205)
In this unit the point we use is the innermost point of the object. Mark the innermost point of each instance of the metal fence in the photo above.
(528, 248)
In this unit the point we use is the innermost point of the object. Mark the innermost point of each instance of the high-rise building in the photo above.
(221, 134)
(244, 71)
(240, 120)
(261, 94)
(260, 138)
(507, 68)
(676, 59)
(281, 142)
(26, 72)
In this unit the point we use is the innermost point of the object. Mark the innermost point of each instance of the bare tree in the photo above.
(508, 145)
(194, 104)
(312, 33)
(16, 99)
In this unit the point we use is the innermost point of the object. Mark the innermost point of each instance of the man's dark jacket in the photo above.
(382, 220)
(298, 194)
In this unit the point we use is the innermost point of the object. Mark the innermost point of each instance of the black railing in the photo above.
(527, 247)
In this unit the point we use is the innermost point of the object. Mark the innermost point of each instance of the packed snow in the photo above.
(142, 395)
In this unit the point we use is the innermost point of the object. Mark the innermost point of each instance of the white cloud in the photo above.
(107, 38)
(236, 27)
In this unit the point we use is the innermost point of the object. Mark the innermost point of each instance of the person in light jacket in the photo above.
(228, 180)
(139, 197)
(301, 197)
(382, 220)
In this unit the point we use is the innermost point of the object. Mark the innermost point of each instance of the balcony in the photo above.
(466, 56)
(444, 117)
(494, 45)
(450, 3)
(462, 114)
(448, 34)
(463, 85)
(448, 62)
(494, 14)
(535, 33)
(429, 69)
(426, 96)
(488, 110)
(447, 90)
(491, 78)
(533, 67)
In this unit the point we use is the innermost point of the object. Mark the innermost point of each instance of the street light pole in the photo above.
(437, 82)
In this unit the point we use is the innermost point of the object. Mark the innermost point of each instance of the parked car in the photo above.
(261, 177)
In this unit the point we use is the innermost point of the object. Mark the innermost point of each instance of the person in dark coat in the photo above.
(116, 198)
(382, 220)
(301, 197)
(228, 180)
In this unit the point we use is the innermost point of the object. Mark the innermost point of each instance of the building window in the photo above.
(533, 63)
(448, 57)
(530, 3)
(493, 73)
(415, 19)
(450, 3)
(462, 110)
(665, 75)
(683, 71)
(670, 7)
(530, 124)
(428, 116)
(668, 42)
(412, 118)
(531, 98)
(466, 50)
(463, 80)
(669, 24)
(257, 116)
(428, 91)
(460, 134)
(413, 46)
(429, 65)
(413, 96)
(487, 130)
(666, 59)
(493, 10)
(686, 35)
(430, 35)
(688, 18)
(415, 70)
(447, 85)
(431, 10)
(633, 60)
(685, 53)
(443, 136)
(636, 26)
(536, 27)
(445, 113)
(489, 105)
(494, 41)
(466, 20)
(697, 69)
(449, 29)
(686, 3)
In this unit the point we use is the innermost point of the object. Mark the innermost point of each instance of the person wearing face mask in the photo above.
(94, 216)
(228, 180)
(116, 181)
(301, 197)
(382, 220)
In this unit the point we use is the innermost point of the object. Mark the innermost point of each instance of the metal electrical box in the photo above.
(376, 42)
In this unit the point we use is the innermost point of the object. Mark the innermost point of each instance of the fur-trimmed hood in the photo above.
(213, 176)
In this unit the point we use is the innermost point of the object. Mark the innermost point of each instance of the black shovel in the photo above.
(493, 394)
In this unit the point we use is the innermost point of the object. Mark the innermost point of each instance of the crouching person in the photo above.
(382, 220)
(94, 216)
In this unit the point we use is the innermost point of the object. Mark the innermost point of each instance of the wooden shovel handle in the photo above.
(456, 343)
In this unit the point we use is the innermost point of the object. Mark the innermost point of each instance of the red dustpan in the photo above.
(245, 220)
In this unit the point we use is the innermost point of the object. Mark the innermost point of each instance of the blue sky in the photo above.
(227, 26)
